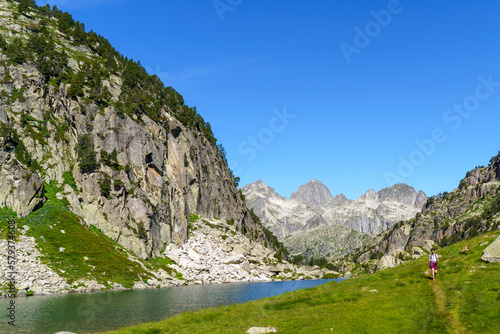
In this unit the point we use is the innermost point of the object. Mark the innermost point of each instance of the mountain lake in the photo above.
(109, 310)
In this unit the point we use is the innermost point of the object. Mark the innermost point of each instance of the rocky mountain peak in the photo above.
(403, 193)
(260, 189)
(314, 193)
(313, 223)
(340, 199)
(421, 199)
(370, 195)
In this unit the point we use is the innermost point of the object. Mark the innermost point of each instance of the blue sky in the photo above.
(356, 94)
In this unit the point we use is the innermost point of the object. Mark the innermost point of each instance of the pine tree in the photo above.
(24, 6)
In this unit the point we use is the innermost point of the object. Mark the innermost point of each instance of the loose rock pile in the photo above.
(216, 253)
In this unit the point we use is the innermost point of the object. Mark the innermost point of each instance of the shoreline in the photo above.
(168, 287)
(212, 255)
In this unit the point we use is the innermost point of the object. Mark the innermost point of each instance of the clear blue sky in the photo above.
(362, 90)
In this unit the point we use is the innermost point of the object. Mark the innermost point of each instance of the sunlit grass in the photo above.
(404, 302)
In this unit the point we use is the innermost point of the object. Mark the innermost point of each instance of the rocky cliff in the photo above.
(88, 136)
(314, 223)
(470, 209)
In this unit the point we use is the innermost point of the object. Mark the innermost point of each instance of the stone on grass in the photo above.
(492, 252)
(260, 330)
(416, 252)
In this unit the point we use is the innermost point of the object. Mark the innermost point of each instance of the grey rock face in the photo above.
(314, 193)
(20, 189)
(403, 193)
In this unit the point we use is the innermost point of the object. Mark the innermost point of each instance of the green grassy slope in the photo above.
(88, 253)
(464, 299)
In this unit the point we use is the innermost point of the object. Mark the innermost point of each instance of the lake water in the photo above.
(101, 311)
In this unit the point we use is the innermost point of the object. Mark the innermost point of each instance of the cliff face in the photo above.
(314, 223)
(129, 157)
(472, 208)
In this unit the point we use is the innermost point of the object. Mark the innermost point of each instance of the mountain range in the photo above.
(315, 223)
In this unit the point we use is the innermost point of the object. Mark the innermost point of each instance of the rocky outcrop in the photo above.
(472, 208)
(314, 223)
(20, 189)
(261, 330)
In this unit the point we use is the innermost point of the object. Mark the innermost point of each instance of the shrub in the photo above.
(15, 51)
(86, 154)
(105, 186)
(76, 87)
(24, 6)
(110, 159)
(141, 231)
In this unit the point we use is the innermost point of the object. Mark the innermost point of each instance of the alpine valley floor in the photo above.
(464, 299)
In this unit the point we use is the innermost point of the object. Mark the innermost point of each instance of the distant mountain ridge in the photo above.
(312, 208)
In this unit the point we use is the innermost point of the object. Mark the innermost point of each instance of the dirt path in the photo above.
(451, 320)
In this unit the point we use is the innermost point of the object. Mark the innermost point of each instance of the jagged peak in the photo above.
(260, 189)
(313, 193)
(370, 194)
(403, 193)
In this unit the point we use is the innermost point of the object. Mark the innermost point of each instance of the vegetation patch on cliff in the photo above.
(77, 251)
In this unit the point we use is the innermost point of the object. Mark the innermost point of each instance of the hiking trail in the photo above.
(452, 322)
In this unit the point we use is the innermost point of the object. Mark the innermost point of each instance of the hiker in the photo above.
(433, 259)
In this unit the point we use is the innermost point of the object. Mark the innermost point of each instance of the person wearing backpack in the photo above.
(433, 259)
